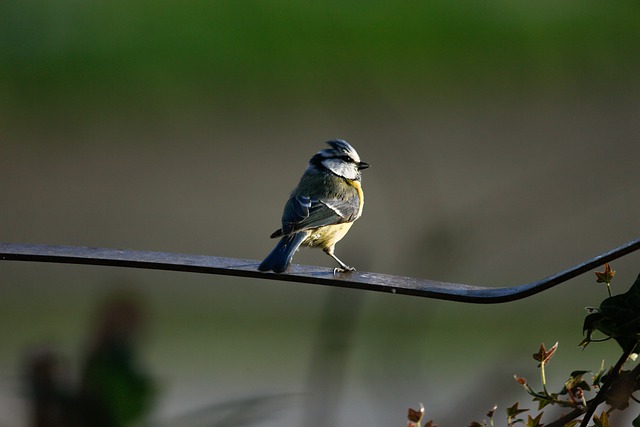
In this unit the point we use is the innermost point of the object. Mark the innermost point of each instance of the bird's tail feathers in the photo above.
(280, 257)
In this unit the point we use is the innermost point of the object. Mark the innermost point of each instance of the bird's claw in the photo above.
(344, 269)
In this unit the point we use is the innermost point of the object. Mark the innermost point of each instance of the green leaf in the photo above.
(602, 420)
(534, 422)
(575, 380)
(542, 402)
(598, 378)
(618, 318)
(513, 410)
(620, 392)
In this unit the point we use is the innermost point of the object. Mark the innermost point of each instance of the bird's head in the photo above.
(341, 159)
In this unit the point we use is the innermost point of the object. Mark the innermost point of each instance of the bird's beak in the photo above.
(363, 165)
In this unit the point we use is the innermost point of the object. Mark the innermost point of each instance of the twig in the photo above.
(606, 387)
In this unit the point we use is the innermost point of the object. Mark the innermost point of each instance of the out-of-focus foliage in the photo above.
(221, 50)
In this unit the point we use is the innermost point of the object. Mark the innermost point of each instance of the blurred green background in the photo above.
(503, 139)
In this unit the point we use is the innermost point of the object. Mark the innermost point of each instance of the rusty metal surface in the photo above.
(299, 273)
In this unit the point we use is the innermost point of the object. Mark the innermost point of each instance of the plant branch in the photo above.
(606, 387)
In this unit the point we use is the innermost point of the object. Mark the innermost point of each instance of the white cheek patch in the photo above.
(341, 168)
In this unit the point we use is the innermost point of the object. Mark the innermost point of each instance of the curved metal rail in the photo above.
(299, 273)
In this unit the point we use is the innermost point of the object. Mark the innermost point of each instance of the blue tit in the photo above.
(322, 208)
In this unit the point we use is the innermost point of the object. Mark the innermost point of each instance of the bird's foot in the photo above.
(344, 269)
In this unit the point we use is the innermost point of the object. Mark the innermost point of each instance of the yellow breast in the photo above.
(327, 236)
(358, 187)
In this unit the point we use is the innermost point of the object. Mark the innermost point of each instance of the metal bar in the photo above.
(300, 273)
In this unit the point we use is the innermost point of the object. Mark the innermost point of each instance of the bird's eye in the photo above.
(346, 159)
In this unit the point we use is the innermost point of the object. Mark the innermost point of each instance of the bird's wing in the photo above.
(303, 213)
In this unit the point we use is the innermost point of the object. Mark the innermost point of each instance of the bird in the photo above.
(322, 208)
